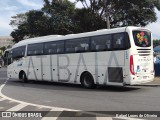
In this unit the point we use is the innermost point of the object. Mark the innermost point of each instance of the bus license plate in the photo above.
(144, 77)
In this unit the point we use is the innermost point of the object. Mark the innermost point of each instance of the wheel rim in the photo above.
(22, 76)
(87, 81)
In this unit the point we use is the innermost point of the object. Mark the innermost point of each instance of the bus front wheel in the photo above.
(87, 80)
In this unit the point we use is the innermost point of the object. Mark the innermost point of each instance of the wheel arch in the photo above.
(20, 74)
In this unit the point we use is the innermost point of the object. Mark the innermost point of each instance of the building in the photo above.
(6, 41)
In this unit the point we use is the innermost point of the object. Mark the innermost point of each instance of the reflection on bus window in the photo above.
(35, 49)
(54, 47)
(100, 43)
(18, 52)
(77, 45)
(118, 41)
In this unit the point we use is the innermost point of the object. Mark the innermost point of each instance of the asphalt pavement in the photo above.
(3, 75)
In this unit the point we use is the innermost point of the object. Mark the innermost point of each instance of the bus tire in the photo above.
(24, 77)
(87, 80)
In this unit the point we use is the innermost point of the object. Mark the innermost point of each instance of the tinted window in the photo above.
(100, 43)
(6, 54)
(127, 41)
(54, 47)
(142, 38)
(35, 49)
(78, 45)
(18, 52)
(118, 41)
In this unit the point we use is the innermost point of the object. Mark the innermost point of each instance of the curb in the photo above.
(150, 85)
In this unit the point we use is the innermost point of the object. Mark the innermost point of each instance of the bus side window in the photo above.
(118, 41)
(35, 49)
(56, 47)
(70, 50)
(18, 52)
(77, 46)
(5, 54)
(10, 57)
(101, 43)
(60, 50)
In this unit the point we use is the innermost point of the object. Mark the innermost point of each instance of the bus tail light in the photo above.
(132, 65)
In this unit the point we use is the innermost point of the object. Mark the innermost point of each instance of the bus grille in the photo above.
(144, 52)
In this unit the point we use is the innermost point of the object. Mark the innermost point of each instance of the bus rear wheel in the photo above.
(24, 77)
(87, 81)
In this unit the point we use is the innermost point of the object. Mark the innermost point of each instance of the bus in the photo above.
(120, 56)
(6, 57)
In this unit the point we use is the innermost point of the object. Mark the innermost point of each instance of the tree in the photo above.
(2, 49)
(54, 18)
(85, 21)
(156, 42)
(31, 24)
(124, 13)
(61, 13)
(61, 17)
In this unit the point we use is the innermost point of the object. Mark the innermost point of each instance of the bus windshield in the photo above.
(142, 38)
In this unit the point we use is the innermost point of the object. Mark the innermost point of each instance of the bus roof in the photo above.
(72, 36)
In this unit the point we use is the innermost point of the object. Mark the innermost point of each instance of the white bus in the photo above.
(120, 56)
(6, 57)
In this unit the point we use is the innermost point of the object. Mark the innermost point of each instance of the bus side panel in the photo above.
(73, 65)
(50, 68)
(114, 71)
(95, 63)
(68, 68)
(17, 66)
(33, 67)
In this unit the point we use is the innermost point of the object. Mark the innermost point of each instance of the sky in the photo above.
(10, 8)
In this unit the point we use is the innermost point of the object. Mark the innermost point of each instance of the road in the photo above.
(74, 97)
